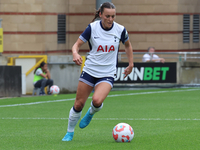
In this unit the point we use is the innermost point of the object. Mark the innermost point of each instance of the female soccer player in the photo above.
(104, 37)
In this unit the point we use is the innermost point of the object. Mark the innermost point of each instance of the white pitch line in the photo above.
(115, 95)
(41, 102)
(150, 92)
(145, 119)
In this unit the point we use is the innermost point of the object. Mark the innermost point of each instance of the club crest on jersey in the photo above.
(115, 38)
(106, 48)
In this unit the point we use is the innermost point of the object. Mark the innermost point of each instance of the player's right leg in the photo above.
(83, 91)
(41, 84)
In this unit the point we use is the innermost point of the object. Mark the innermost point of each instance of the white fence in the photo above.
(168, 56)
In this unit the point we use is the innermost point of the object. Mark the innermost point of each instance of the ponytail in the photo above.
(96, 15)
(101, 9)
(41, 65)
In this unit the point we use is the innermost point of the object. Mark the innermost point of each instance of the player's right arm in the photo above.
(75, 49)
(43, 75)
(84, 37)
(39, 72)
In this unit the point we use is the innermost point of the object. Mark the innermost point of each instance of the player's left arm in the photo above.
(48, 74)
(129, 53)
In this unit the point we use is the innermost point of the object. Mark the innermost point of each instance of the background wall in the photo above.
(64, 73)
(30, 26)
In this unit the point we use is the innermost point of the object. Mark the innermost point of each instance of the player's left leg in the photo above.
(100, 93)
(49, 83)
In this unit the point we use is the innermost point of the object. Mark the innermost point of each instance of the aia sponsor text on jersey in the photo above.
(106, 48)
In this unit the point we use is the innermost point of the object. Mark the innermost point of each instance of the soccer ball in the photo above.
(54, 89)
(123, 132)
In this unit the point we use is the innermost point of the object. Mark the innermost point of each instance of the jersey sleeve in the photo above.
(124, 36)
(38, 72)
(85, 36)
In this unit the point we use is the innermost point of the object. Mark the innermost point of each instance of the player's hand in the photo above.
(128, 70)
(46, 71)
(77, 59)
(162, 60)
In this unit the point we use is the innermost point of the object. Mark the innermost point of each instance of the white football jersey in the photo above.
(104, 46)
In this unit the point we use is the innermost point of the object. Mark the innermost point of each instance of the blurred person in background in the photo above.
(42, 78)
(151, 57)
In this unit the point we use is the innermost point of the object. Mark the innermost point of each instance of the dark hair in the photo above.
(41, 65)
(101, 9)
(150, 48)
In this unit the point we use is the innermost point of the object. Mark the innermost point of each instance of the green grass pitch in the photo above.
(162, 119)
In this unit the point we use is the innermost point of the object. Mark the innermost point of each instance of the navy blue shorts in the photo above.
(92, 81)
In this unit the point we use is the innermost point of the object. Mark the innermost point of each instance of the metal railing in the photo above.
(173, 55)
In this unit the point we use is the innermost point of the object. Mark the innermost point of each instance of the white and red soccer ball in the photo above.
(54, 90)
(123, 132)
